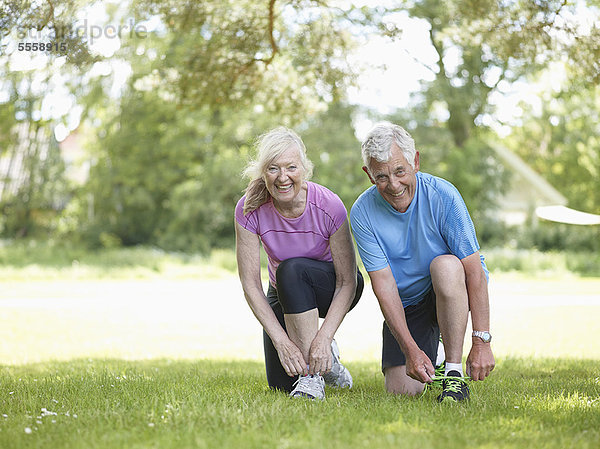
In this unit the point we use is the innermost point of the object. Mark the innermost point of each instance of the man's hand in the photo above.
(480, 362)
(419, 367)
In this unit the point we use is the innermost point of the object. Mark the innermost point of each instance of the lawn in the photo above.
(545, 403)
(110, 352)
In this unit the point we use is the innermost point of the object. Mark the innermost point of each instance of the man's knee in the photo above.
(398, 382)
(447, 264)
(447, 272)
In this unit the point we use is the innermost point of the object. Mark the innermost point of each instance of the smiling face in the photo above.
(284, 178)
(395, 179)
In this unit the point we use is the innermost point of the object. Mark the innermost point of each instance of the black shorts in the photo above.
(422, 323)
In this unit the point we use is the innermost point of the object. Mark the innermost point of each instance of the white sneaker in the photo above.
(339, 376)
(311, 387)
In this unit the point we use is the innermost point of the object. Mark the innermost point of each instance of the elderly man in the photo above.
(418, 244)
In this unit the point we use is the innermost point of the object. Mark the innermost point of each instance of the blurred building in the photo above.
(527, 192)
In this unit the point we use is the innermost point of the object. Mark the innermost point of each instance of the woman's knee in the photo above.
(289, 269)
(293, 290)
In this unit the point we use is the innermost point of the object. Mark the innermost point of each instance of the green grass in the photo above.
(42, 260)
(545, 403)
(38, 260)
(209, 402)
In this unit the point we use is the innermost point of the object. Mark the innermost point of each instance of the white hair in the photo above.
(378, 143)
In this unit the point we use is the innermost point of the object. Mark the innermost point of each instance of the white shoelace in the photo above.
(311, 385)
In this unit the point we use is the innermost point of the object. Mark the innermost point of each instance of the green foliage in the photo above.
(285, 55)
(469, 67)
(141, 155)
(167, 148)
(167, 157)
(39, 260)
(32, 194)
(534, 262)
(550, 403)
(482, 47)
(201, 208)
(33, 185)
(549, 236)
(29, 20)
(167, 175)
(335, 150)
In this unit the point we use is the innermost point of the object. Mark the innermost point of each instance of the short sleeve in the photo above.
(249, 221)
(370, 251)
(332, 212)
(457, 228)
(338, 213)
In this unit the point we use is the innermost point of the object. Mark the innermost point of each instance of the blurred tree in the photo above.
(212, 77)
(335, 151)
(482, 47)
(32, 183)
(285, 55)
(31, 21)
(168, 143)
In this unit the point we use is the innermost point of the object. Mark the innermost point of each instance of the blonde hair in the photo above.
(269, 147)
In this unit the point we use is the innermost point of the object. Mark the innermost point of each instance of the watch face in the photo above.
(486, 337)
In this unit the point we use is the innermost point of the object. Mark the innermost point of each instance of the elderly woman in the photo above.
(304, 230)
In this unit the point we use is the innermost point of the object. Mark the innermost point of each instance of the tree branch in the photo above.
(439, 50)
(50, 16)
(274, 48)
(418, 61)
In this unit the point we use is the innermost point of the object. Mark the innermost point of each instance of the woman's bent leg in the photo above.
(276, 375)
(304, 284)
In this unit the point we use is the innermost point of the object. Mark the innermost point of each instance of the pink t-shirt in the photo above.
(305, 236)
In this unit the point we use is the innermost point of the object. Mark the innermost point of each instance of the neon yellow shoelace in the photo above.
(454, 386)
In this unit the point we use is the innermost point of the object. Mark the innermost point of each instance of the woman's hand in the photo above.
(320, 358)
(291, 358)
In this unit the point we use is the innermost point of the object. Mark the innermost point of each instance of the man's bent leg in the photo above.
(452, 302)
(398, 382)
(424, 329)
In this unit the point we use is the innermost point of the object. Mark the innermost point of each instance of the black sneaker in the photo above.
(454, 388)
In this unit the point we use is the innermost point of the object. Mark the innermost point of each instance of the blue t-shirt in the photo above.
(436, 222)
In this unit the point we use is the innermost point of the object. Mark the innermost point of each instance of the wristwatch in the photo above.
(485, 336)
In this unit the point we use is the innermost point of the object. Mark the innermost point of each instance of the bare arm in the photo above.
(480, 361)
(418, 365)
(248, 260)
(344, 262)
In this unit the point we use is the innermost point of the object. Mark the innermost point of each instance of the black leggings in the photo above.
(303, 284)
